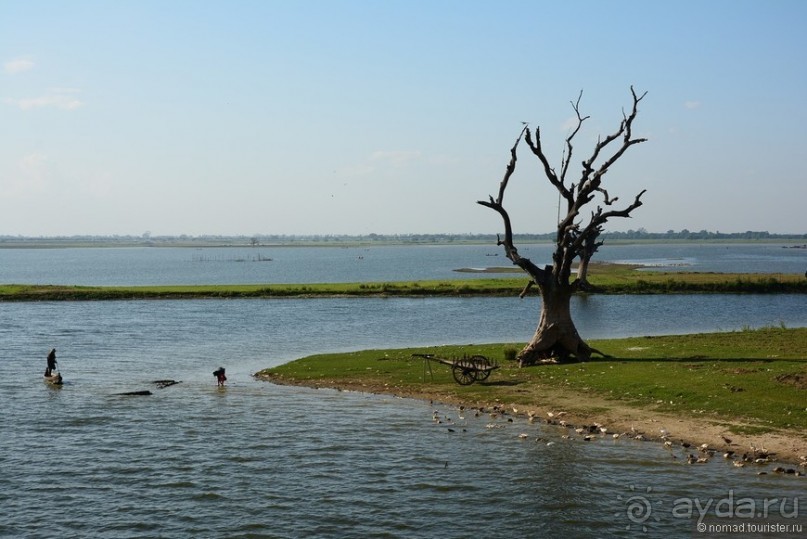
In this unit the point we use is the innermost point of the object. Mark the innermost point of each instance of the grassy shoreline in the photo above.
(748, 386)
(608, 278)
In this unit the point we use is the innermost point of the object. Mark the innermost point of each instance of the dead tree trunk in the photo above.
(590, 247)
(556, 336)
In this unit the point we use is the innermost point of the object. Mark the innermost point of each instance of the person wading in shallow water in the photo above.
(51, 363)
(220, 377)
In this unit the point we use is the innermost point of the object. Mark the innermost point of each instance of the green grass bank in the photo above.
(741, 384)
(608, 278)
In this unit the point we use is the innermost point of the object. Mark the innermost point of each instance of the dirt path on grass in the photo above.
(686, 435)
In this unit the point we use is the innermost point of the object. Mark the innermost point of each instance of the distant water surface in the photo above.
(233, 265)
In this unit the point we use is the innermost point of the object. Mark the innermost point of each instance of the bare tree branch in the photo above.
(527, 288)
(598, 218)
(590, 182)
(607, 201)
(549, 172)
(569, 149)
(498, 205)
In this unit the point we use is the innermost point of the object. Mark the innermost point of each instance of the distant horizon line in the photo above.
(630, 234)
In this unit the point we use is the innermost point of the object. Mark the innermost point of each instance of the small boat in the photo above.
(55, 379)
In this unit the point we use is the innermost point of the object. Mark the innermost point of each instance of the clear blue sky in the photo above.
(357, 117)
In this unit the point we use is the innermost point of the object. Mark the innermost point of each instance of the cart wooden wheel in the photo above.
(482, 367)
(464, 372)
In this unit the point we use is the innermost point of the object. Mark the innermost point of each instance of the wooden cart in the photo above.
(466, 370)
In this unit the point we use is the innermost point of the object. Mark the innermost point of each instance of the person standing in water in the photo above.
(220, 377)
(51, 363)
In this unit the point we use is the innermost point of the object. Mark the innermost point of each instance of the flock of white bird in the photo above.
(500, 417)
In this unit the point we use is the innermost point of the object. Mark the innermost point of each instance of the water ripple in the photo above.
(257, 460)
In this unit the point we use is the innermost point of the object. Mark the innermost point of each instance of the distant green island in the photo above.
(606, 278)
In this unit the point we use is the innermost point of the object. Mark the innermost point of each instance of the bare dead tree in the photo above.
(556, 335)
(590, 246)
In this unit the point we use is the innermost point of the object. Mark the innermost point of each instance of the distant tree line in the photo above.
(332, 239)
(685, 234)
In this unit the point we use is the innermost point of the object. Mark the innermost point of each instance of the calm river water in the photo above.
(259, 460)
(234, 265)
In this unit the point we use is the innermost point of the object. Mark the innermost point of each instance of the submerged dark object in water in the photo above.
(145, 392)
(162, 384)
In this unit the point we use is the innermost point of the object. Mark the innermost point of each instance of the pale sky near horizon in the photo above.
(357, 117)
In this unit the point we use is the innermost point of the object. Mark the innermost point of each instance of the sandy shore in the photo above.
(685, 434)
